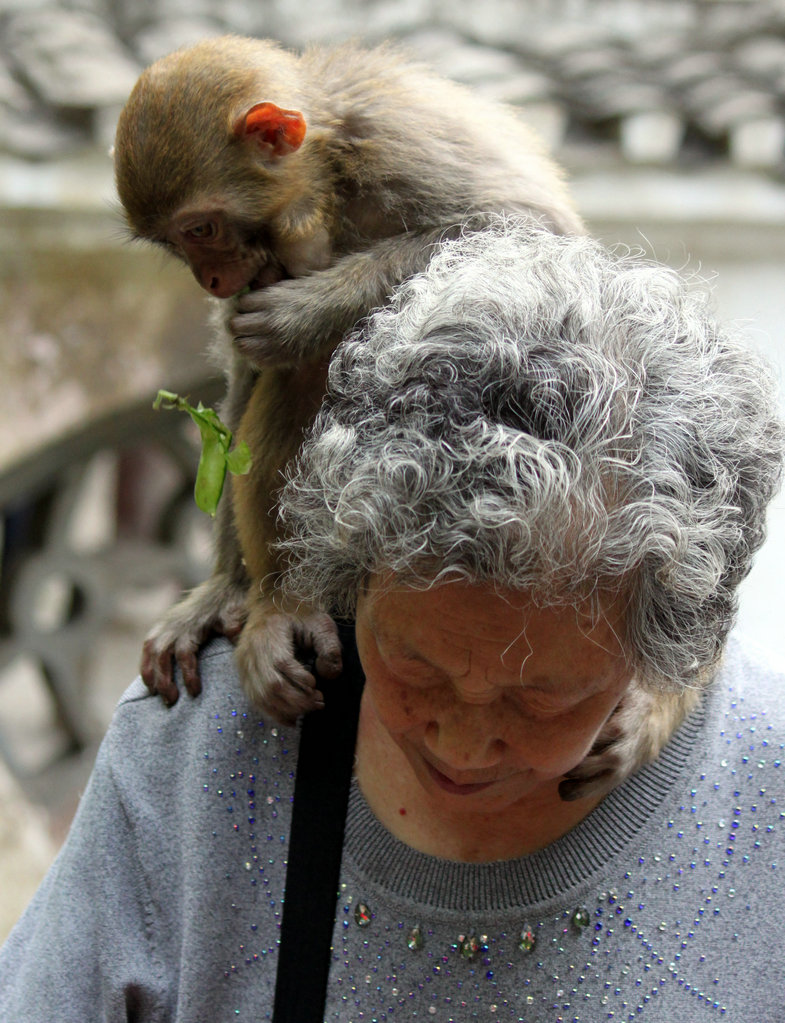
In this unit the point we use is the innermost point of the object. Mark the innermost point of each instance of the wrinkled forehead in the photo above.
(479, 629)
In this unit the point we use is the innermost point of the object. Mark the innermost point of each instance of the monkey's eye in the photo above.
(203, 232)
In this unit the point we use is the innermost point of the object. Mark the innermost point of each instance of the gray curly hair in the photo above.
(539, 413)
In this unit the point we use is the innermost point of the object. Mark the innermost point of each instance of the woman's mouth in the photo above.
(455, 788)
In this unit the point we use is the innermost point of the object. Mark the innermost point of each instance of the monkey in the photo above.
(301, 189)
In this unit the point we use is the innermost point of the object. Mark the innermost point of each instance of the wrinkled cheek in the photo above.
(580, 748)
(409, 719)
(554, 764)
(397, 708)
(552, 753)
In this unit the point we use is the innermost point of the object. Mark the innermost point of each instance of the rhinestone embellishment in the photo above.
(469, 945)
(528, 939)
(362, 915)
(580, 919)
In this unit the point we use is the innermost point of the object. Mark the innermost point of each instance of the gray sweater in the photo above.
(665, 904)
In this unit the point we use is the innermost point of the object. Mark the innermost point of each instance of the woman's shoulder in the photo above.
(150, 746)
(746, 725)
(219, 680)
(751, 676)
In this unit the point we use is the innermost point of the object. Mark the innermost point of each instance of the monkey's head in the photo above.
(209, 168)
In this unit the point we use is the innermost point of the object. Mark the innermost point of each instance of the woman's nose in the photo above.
(464, 736)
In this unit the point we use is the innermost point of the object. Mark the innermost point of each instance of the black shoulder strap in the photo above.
(321, 796)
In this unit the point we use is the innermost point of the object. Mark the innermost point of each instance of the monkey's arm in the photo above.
(298, 319)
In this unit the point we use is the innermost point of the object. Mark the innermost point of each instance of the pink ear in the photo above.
(277, 132)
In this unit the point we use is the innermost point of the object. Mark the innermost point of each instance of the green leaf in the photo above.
(239, 460)
(216, 458)
(210, 475)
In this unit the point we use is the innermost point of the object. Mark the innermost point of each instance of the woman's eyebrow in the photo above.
(401, 648)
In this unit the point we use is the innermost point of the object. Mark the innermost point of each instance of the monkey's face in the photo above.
(227, 251)
(224, 254)
(227, 192)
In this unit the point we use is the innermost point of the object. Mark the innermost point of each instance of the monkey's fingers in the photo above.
(157, 671)
(251, 325)
(232, 627)
(288, 694)
(299, 690)
(320, 633)
(598, 783)
(186, 655)
(266, 327)
(603, 768)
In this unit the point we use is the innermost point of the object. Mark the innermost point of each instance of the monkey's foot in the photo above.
(628, 739)
(606, 765)
(279, 657)
(632, 736)
(216, 607)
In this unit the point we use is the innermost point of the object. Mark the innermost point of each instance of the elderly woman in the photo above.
(539, 477)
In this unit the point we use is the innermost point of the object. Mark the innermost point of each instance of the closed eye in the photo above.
(412, 670)
(545, 705)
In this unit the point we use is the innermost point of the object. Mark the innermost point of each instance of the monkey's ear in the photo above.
(277, 132)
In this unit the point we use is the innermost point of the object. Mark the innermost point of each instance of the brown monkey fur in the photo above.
(319, 182)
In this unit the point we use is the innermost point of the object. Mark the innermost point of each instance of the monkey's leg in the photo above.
(632, 736)
(277, 643)
(217, 606)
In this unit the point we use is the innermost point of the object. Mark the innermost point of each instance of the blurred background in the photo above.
(669, 116)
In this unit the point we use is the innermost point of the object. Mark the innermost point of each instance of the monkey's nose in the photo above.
(221, 285)
(222, 281)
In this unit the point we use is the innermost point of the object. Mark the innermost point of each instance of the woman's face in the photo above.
(490, 699)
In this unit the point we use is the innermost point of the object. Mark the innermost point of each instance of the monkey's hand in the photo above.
(271, 653)
(632, 736)
(285, 323)
(610, 760)
(304, 317)
(216, 607)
